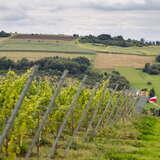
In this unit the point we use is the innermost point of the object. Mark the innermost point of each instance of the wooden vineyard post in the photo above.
(83, 115)
(129, 106)
(105, 110)
(120, 109)
(10, 121)
(45, 117)
(95, 112)
(72, 107)
(112, 111)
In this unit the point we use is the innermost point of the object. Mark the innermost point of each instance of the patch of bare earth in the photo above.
(109, 61)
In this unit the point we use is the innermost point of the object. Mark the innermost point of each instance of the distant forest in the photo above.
(108, 40)
(4, 34)
(153, 69)
(104, 39)
(54, 66)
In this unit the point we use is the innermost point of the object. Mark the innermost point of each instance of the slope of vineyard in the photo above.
(71, 99)
(133, 140)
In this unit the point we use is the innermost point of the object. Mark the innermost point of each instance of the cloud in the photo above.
(81, 16)
(18, 9)
(124, 4)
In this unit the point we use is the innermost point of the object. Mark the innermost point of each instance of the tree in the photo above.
(117, 79)
(75, 36)
(4, 34)
(158, 58)
(6, 63)
(104, 37)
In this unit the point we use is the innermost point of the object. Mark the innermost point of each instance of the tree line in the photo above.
(107, 39)
(54, 66)
(4, 34)
(154, 68)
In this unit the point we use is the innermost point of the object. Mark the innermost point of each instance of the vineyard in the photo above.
(36, 113)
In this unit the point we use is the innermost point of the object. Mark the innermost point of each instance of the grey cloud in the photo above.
(82, 16)
(124, 4)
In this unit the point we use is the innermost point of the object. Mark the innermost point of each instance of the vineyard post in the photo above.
(105, 110)
(48, 111)
(133, 106)
(112, 111)
(72, 107)
(83, 115)
(14, 113)
(127, 102)
(120, 108)
(95, 112)
(132, 101)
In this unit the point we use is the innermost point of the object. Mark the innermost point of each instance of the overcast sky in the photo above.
(130, 18)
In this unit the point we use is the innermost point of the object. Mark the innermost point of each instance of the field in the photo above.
(42, 45)
(33, 48)
(16, 55)
(151, 50)
(111, 61)
(139, 79)
(43, 37)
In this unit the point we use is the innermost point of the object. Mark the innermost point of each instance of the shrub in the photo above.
(158, 58)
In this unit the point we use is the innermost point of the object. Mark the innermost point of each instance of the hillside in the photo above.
(39, 47)
(57, 121)
(106, 120)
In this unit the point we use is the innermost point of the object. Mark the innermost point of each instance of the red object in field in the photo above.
(153, 100)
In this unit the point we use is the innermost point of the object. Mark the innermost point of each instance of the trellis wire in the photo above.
(45, 117)
(103, 113)
(112, 111)
(72, 107)
(10, 121)
(120, 109)
(95, 112)
(133, 101)
(83, 115)
(134, 104)
(117, 112)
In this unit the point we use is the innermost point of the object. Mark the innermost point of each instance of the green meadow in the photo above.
(149, 51)
(42, 45)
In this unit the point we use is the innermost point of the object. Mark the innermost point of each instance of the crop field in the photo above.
(16, 55)
(42, 45)
(111, 61)
(151, 50)
(43, 37)
(31, 47)
(3, 39)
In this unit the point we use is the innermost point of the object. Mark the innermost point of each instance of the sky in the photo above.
(131, 18)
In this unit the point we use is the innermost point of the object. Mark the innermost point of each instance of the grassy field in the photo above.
(139, 79)
(35, 49)
(71, 46)
(137, 141)
(42, 45)
(151, 50)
